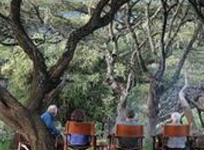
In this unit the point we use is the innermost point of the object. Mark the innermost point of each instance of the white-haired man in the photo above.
(48, 119)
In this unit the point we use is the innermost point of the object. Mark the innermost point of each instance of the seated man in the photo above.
(129, 120)
(48, 119)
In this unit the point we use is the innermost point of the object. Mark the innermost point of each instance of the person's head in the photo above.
(78, 115)
(130, 114)
(175, 117)
(52, 109)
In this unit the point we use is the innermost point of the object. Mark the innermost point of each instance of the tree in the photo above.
(167, 37)
(152, 34)
(45, 80)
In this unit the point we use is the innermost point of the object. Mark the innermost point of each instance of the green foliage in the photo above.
(5, 137)
(148, 144)
(5, 145)
(18, 70)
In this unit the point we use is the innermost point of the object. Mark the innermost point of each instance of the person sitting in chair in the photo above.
(76, 140)
(123, 142)
(176, 143)
(48, 118)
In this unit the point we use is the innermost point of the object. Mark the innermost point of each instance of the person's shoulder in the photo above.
(136, 123)
(46, 114)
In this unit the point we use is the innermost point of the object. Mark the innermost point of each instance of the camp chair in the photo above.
(196, 142)
(170, 130)
(157, 141)
(23, 143)
(81, 128)
(127, 131)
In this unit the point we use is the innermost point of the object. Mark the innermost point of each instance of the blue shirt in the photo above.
(79, 139)
(48, 119)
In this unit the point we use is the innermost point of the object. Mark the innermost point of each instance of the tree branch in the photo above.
(171, 28)
(184, 103)
(162, 64)
(185, 53)
(24, 41)
(96, 21)
(148, 28)
(137, 48)
(198, 12)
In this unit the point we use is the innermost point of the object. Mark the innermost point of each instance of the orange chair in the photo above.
(128, 131)
(174, 131)
(81, 128)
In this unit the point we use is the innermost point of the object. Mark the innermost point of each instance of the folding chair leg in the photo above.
(141, 144)
(19, 146)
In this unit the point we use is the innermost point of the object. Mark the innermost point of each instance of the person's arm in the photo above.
(50, 125)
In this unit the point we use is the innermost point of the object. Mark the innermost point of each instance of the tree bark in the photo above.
(154, 93)
(184, 103)
(24, 121)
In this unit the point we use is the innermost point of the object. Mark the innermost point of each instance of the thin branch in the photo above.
(9, 44)
(171, 38)
(113, 39)
(148, 28)
(137, 47)
(184, 103)
(162, 64)
(175, 14)
(36, 8)
(186, 52)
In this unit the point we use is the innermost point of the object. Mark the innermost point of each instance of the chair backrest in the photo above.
(176, 130)
(129, 130)
(82, 128)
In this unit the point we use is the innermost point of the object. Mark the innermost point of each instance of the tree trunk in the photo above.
(184, 103)
(24, 121)
(152, 105)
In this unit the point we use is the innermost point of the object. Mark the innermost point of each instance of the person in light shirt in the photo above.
(176, 143)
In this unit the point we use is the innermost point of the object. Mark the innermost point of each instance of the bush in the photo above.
(5, 137)
(4, 145)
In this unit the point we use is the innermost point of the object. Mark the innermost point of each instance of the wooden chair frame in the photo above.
(193, 145)
(82, 128)
(22, 144)
(133, 131)
(170, 130)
